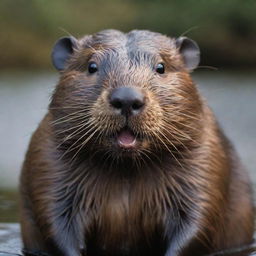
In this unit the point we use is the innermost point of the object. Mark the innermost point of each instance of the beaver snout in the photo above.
(127, 101)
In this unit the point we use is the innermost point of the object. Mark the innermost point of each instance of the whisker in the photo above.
(82, 123)
(72, 135)
(71, 148)
(191, 116)
(168, 149)
(175, 139)
(177, 131)
(64, 117)
(82, 145)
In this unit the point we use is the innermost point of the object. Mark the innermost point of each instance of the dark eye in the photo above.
(92, 67)
(160, 68)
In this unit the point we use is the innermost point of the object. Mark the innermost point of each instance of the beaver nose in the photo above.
(127, 100)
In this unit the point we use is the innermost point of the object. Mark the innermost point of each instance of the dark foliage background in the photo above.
(224, 29)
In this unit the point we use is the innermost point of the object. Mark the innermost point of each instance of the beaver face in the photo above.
(125, 94)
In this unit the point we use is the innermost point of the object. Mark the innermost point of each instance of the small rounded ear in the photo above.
(62, 50)
(190, 52)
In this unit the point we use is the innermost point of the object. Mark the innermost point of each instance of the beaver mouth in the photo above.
(126, 138)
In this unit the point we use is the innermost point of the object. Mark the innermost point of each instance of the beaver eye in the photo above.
(160, 68)
(92, 67)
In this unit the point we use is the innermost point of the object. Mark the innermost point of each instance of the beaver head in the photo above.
(125, 94)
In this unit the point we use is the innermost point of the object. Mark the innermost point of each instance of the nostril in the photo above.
(137, 105)
(116, 103)
(127, 100)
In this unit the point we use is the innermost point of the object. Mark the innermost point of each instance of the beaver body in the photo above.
(129, 160)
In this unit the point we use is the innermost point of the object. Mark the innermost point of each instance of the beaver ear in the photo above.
(62, 50)
(190, 52)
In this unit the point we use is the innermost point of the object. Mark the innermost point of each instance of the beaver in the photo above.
(129, 159)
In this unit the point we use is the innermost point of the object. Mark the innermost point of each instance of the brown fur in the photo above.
(182, 191)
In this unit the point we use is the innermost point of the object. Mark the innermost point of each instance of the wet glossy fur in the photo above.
(181, 192)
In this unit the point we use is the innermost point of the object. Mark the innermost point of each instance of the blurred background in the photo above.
(224, 30)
